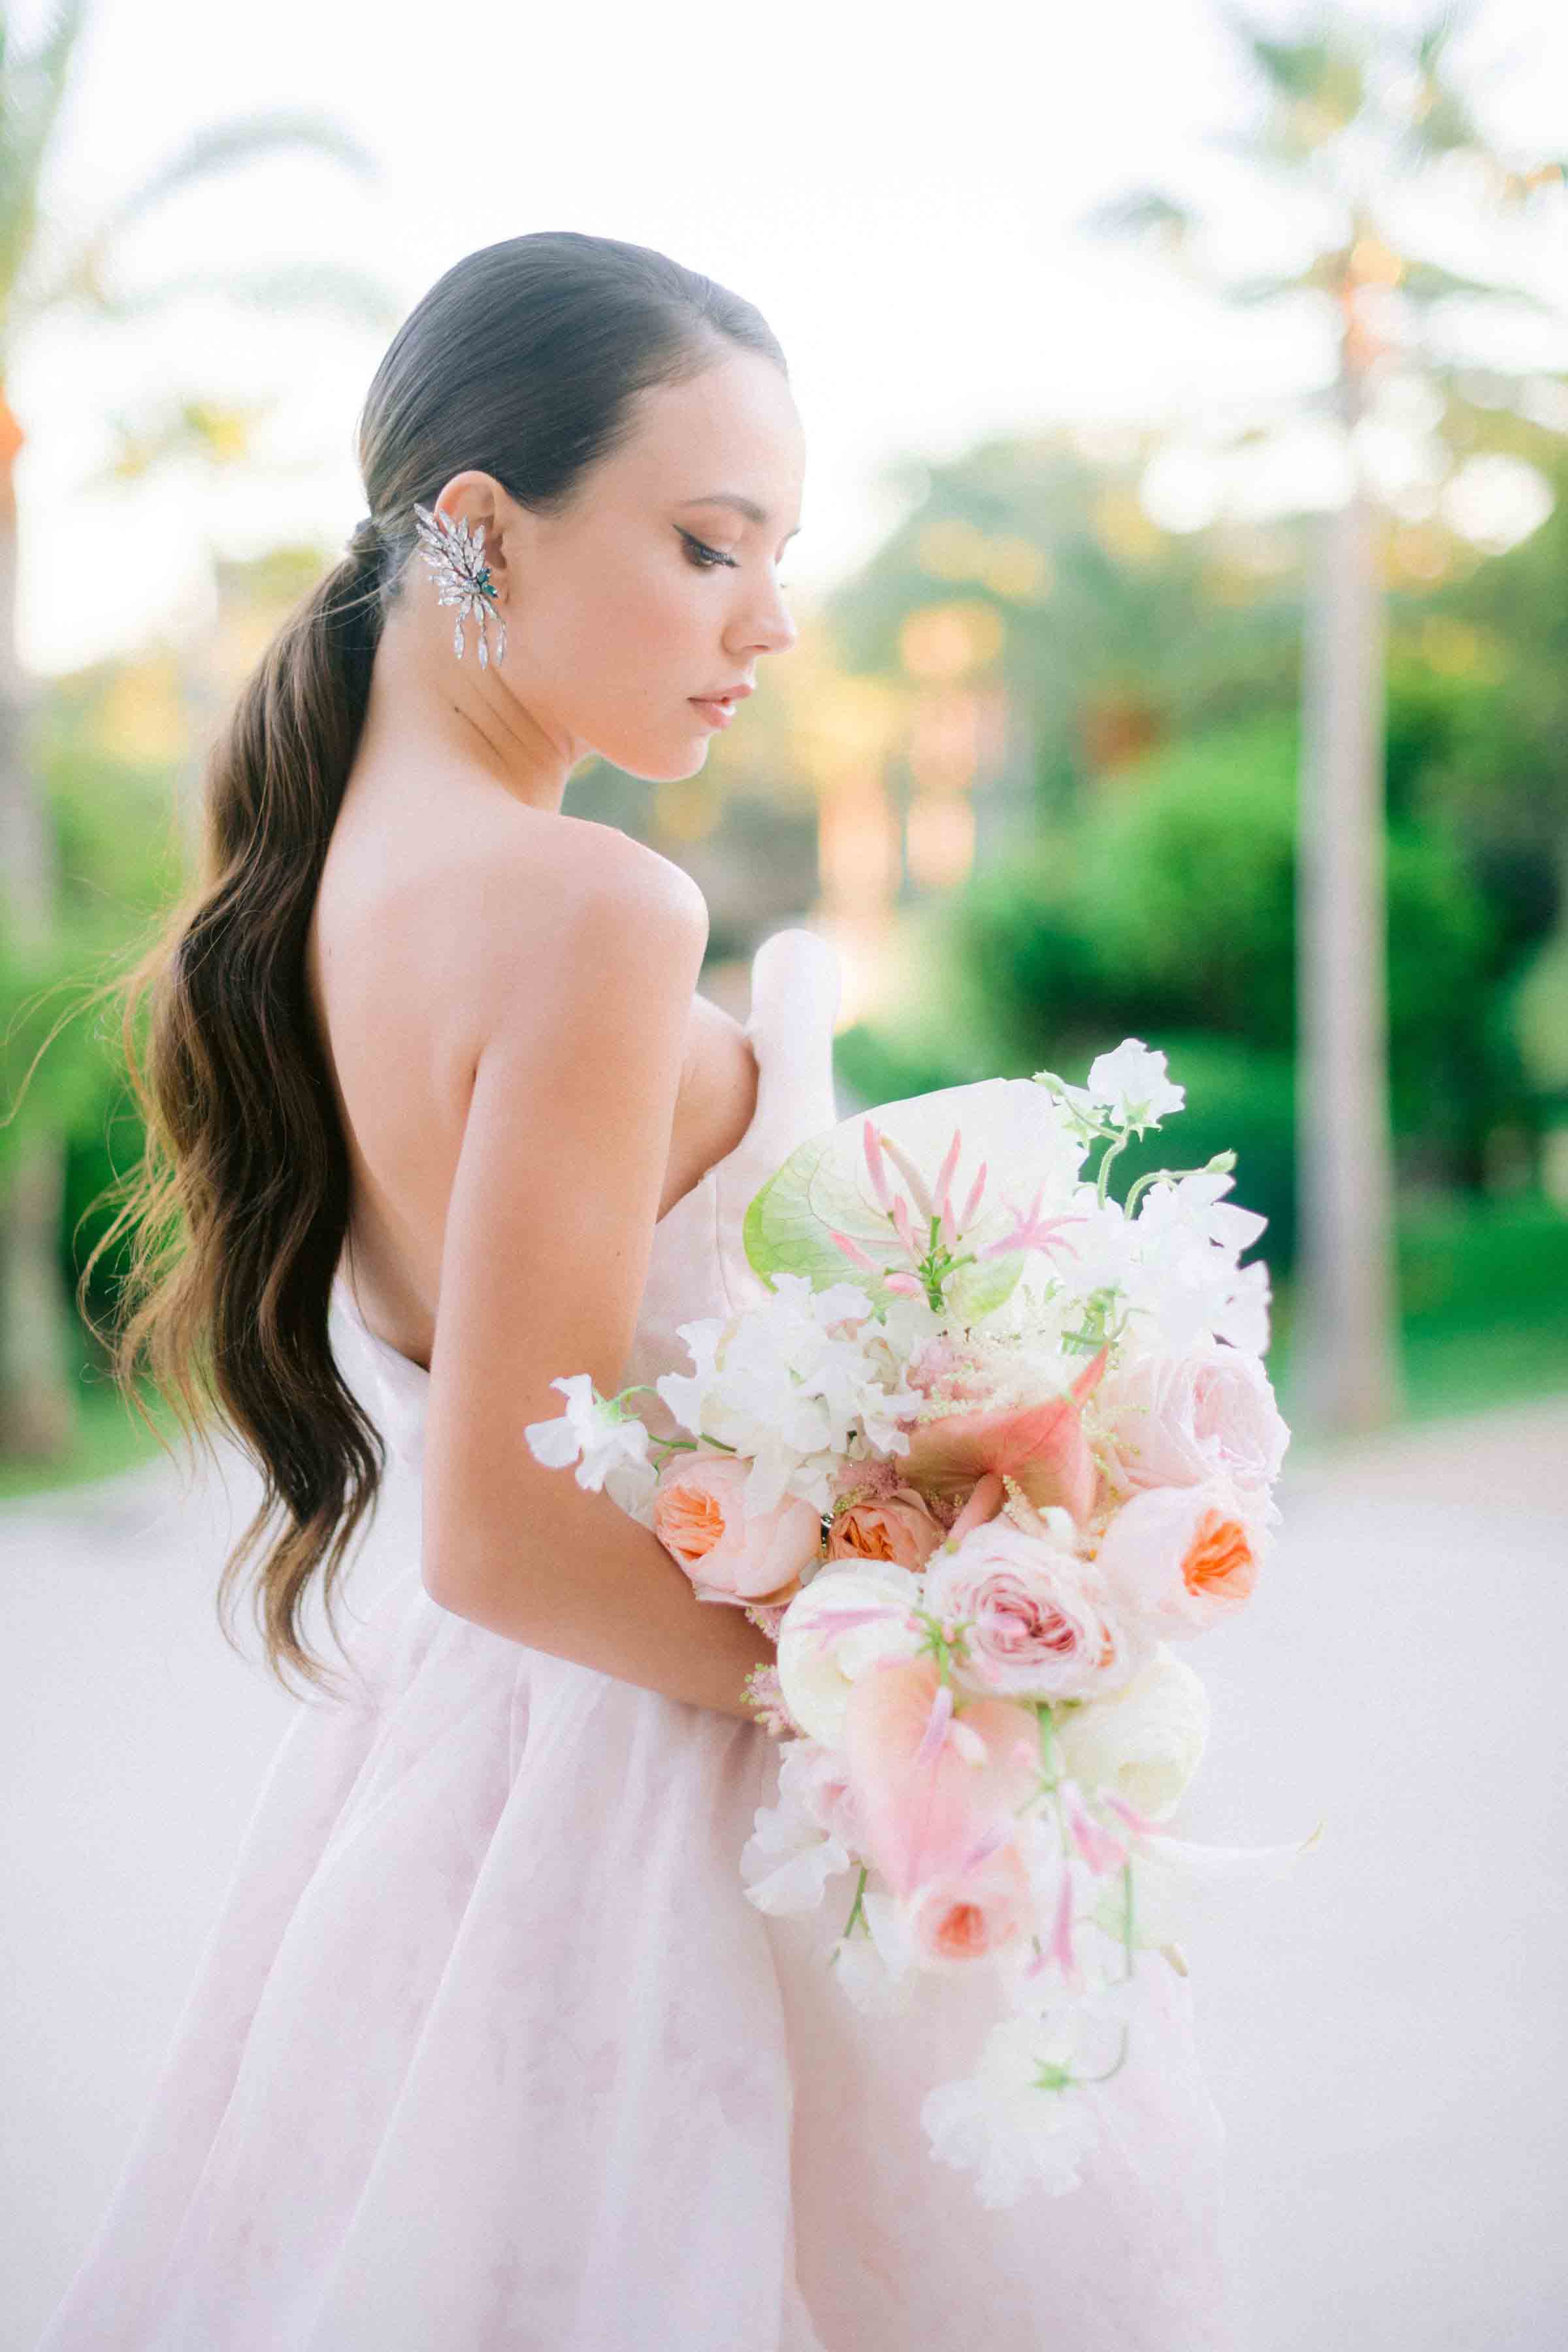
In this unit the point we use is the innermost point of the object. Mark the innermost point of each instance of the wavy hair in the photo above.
(522, 362)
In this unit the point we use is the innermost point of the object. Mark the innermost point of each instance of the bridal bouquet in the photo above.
(981, 1458)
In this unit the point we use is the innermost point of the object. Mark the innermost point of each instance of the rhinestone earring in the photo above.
(462, 578)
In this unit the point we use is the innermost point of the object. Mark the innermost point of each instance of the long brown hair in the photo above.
(521, 361)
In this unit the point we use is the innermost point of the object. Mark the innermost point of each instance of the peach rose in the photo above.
(1178, 1559)
(729, 1553)
(897, 1527)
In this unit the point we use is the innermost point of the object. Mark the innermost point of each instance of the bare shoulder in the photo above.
(549, 910)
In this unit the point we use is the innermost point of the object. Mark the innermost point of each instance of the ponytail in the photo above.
(238, 1215)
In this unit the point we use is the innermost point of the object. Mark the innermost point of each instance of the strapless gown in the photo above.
(488, 2050)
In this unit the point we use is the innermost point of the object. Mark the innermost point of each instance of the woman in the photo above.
(487, 2048)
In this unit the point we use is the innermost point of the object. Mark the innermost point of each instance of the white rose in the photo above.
(840, 1625)
(1145, 1740)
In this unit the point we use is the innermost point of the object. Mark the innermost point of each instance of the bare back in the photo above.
(423, 900)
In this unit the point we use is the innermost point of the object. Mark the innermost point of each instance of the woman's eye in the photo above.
(703, 556)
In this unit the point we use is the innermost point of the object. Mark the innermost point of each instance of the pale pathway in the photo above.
(1385, 2035)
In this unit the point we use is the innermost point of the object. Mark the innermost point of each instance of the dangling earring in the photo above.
(461, 578)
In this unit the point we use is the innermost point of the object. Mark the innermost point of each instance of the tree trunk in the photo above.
(37, 1408)
(1344, 1373)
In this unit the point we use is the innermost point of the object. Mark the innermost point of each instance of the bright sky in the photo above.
(895, 185)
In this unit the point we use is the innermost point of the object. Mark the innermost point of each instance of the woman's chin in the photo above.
(669, 768)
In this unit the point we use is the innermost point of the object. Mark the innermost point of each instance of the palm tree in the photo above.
(41, 277)
(1353, 115)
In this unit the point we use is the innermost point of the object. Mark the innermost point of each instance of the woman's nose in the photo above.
(772, 626)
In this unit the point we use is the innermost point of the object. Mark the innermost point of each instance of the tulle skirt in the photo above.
(487, 2052)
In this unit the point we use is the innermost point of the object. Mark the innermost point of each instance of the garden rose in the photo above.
(843, 1623)
(898, 1527)
(970, 1917)
(1178, 1559)
(1040, 1627)
(730, 1553)
(1175, 1421)
(1143, 1741)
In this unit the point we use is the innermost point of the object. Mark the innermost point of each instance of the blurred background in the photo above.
(1183, 597)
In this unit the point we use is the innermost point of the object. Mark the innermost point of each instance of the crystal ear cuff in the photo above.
(462, 578)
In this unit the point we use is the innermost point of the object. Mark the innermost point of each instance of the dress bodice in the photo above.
(697, 1266)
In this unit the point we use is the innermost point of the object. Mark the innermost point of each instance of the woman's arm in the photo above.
(601, 1589)
(544, 1257)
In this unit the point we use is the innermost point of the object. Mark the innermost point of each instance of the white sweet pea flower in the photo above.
(612, 1443)
(686, 1394)
(796, 1384)
(788, 1860)
(1019, 2121)
(1186, 1284)
(1194, 1206)
(877, 1971)
(1243, 1316)
(1132, 1085)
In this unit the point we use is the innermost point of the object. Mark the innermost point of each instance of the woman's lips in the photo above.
(717, 714)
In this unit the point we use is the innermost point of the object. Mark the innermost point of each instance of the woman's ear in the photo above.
(482, 502)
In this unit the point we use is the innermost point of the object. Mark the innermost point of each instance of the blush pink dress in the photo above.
(487, 2052)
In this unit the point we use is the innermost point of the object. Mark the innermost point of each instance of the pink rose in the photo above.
(897, 1527)
(730, 1553)
(933, 1780)
(1041, 1626)
(969, 1917)
(1178, 1559)
(1176, 1421)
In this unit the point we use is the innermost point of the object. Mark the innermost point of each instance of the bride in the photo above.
(487, 2049)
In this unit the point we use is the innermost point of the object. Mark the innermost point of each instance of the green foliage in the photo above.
(1484, 1298)
(1187, 870)
(1166, 911)
(877, 1068)
(1537, 1013)
(50, 1085)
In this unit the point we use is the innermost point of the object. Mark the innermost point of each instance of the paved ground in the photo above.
(1385, 2035)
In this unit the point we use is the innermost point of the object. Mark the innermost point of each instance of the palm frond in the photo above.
(351, 295)
(1251, 293)
(225, 146)
(1319, 81)
(1435, 36)
(220, 433)
(33, 83)
(1428, 281)
(1142, 212)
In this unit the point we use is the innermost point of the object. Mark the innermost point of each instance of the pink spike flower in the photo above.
(1034, 1232)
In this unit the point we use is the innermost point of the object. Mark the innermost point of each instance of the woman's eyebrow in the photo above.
(748, 507)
